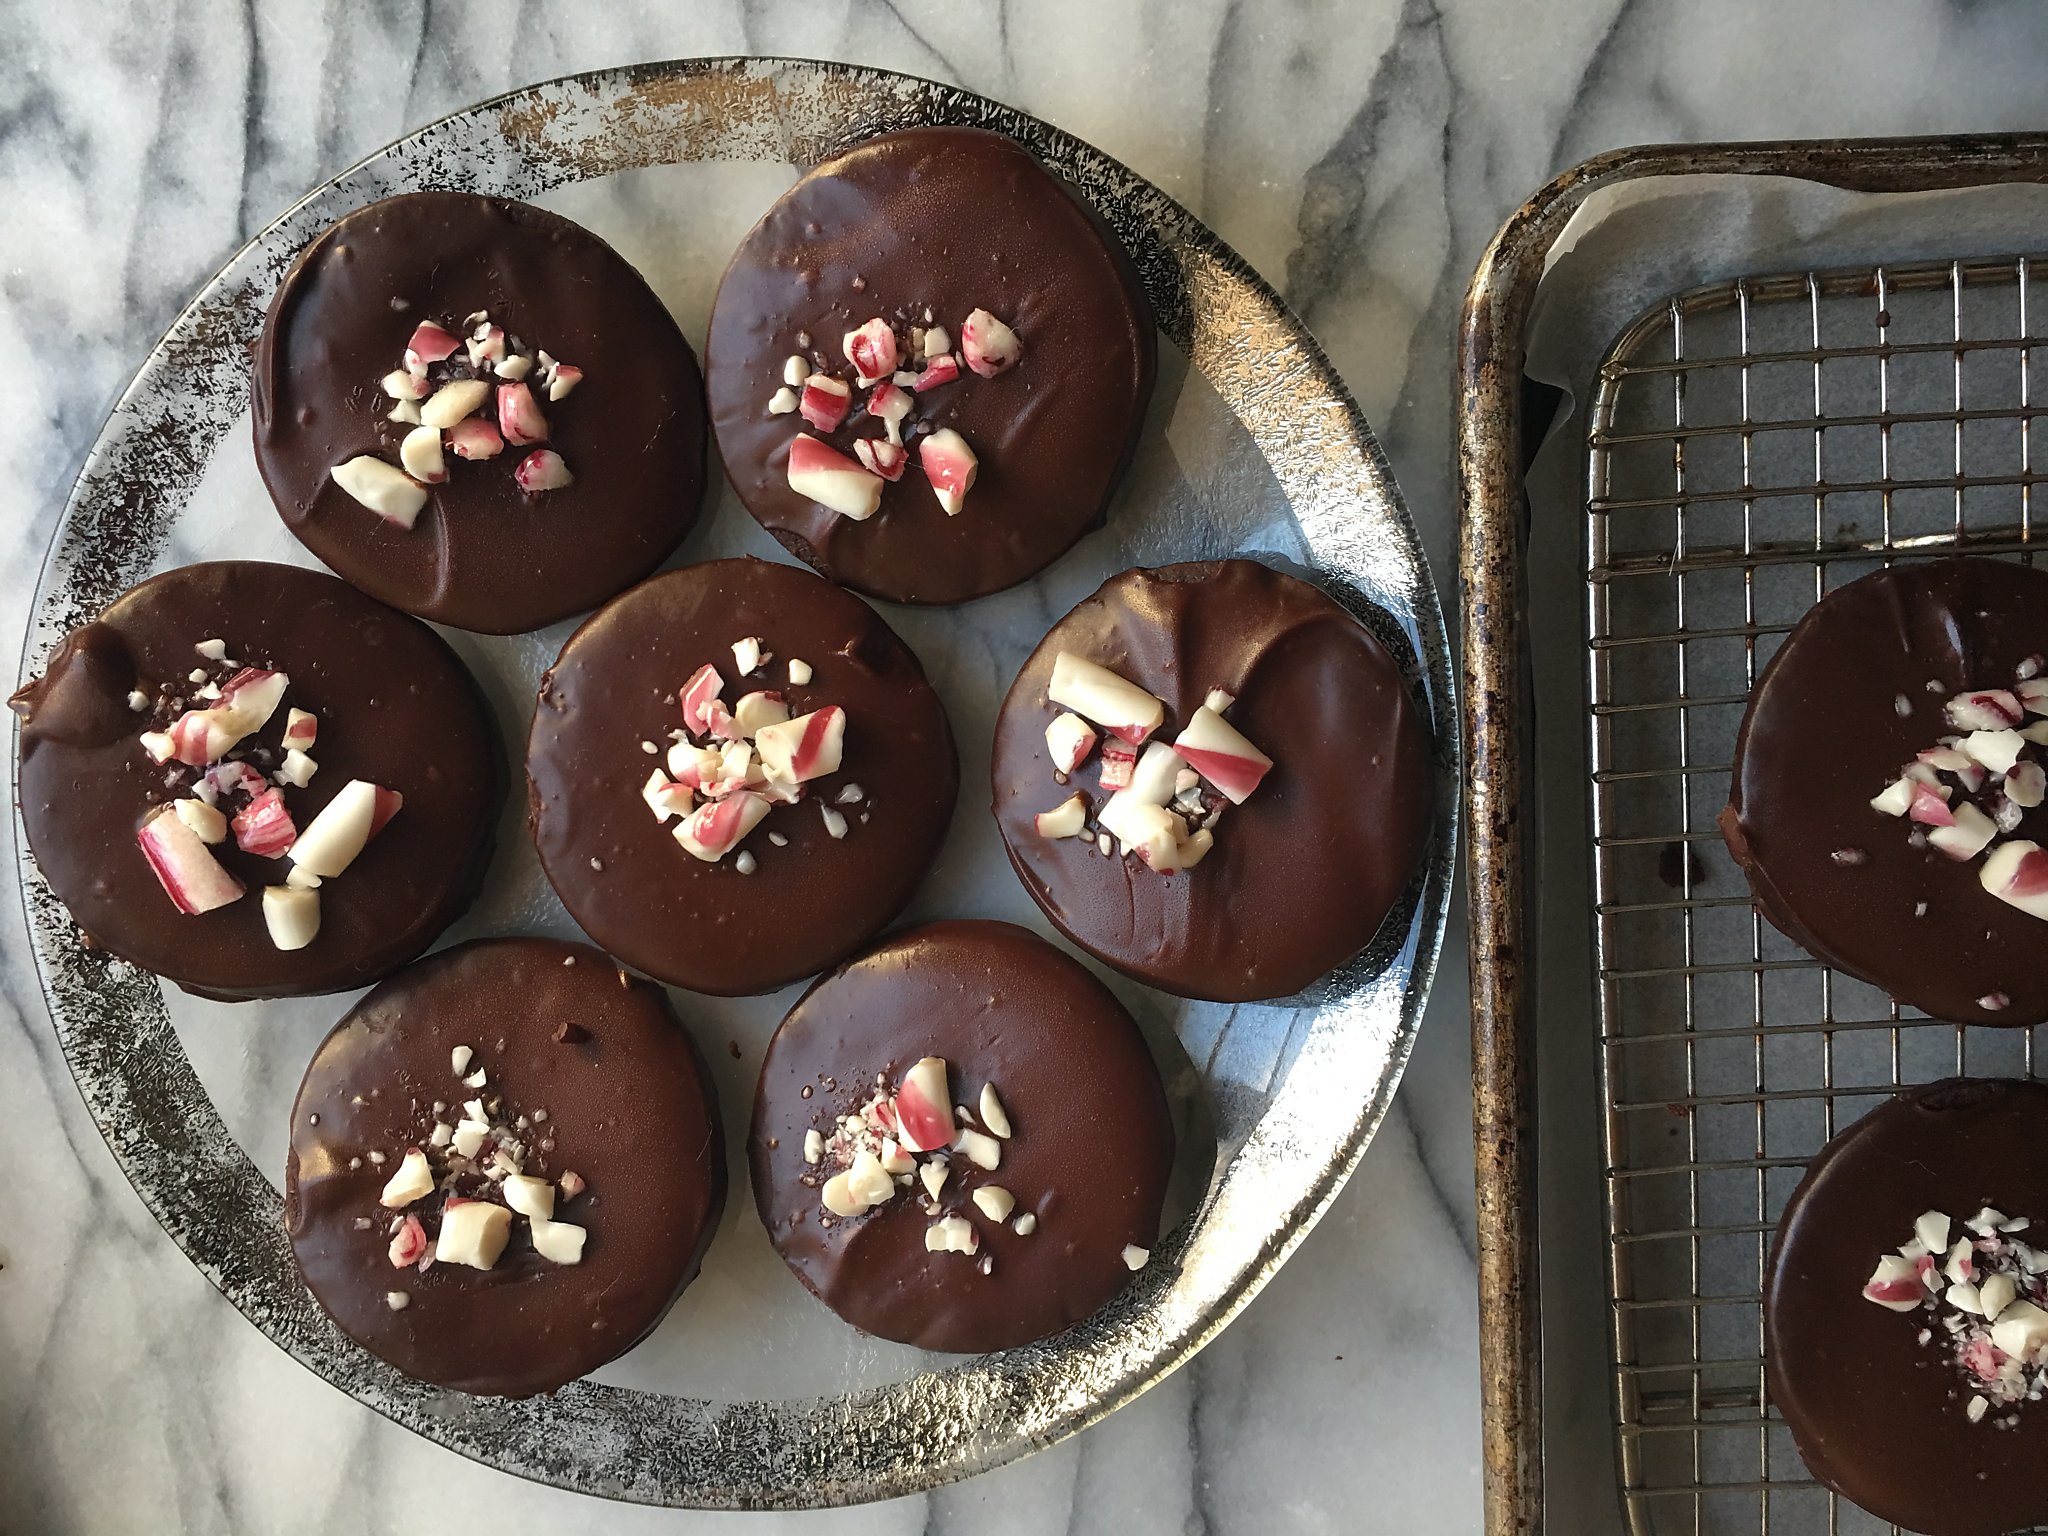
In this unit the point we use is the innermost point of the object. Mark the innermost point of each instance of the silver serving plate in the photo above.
(1256, 447)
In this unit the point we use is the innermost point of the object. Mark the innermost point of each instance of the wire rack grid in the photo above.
(1752, 446)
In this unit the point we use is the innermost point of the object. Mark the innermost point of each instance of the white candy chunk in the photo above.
(804, 748)
(1976, 1408)
(1219, 752)
(2020, 1330)
(932, 1175)
(299, 880)
(2026, 785)
(559, 1242)
(400, 385)
(924, 1110)
(895, 1160)
(1196, 848)
(814, 1146)
(2016, 872)
(413, 1180)
(459, 1059)
(344, 827)
(832, 480)
(421, 455)
(515, 367)
(714, 830)
(473, 1232)
(1136, 1257)
(1218, 700)
(995, 1202)
(1155, 774)
(442, 1134)
(694, 767)
(993, 1114)
(1930, 1229)
(469, 1137)
(835, 824)
(758, 709)
(529, 1196)
(397, 1301)
(453, 401)
(1996, 750)
(837, 1196)
(1098, 694)
(213, 650)
(1150, 831)
(747, 654)
(951, 1234)
(387, 491)
(1963, 1296)
(867, 1181)
(291, 916)
(1894, 800)
(799, 672)
(1068, 741)
(297, 769)
(1961, 1261)
(1967, 836)
(782, 402)
(795, 370)
(1025, 1224)
(984, 1151)
(664, 798)
(1996, 1293)
(207, 824)
(1067, 819)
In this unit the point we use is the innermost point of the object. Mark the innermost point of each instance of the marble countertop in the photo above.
(1358, 152)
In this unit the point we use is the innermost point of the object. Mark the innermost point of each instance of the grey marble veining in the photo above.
(1358, 152)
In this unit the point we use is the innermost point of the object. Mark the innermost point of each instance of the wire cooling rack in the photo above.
(1754, 445)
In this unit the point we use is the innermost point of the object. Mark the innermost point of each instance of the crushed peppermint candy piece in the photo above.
(190, 875)
(993, 1115)
(291, 916)
(1136, 1258)
(1069, 740)
(951, 1234)
(951, 467)
(989, 346)
(1097, 694)
(473, 1233)
(832, 480)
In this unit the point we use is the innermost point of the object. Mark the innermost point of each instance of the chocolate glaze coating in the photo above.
(1303, 873)
(628, 1108)
(951, 220)
(1089, 1154)
(483, 555)
(622, 874)
(1877, 1416)
(395, 707)
(1823, 734)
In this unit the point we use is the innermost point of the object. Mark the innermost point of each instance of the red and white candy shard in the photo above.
(421, 455)
(475, 438)
(563, 377)
(2016, 872)
(988, 345)
(694, 767)
(182, 864)
(2026, 784)
(712, 831)
(871, 350)
(519, 417)
(1067, 819)
(430, 344)
(951, 466)
(1119, 762)
(1069, 740)
(264, 826)
(1156, 776)
(389, 492)
(1966, 836)
(1098, 694)
(881, 457)
(453, 401)
(698, 695)
(486, 343)
(542, 470)
(1997, 750)
(202, 736)
(1930, 806)
(1218, 751)
(942, 369)
(344, 827)
(805, 748)
(408, 1243)
(825, 401)
(403, 387)
(301, 730)
(889, 404)
(1984, 709)
(924, 1108)
(831, 479)
(1148, 830)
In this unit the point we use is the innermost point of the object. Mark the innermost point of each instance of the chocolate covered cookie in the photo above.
(505, 1165)
(1906, 1309)
(928, 365)
(738, 774)
(1212, 778)
(960, 1140)
(475, 410)
(209, 768)
(1888, 784)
